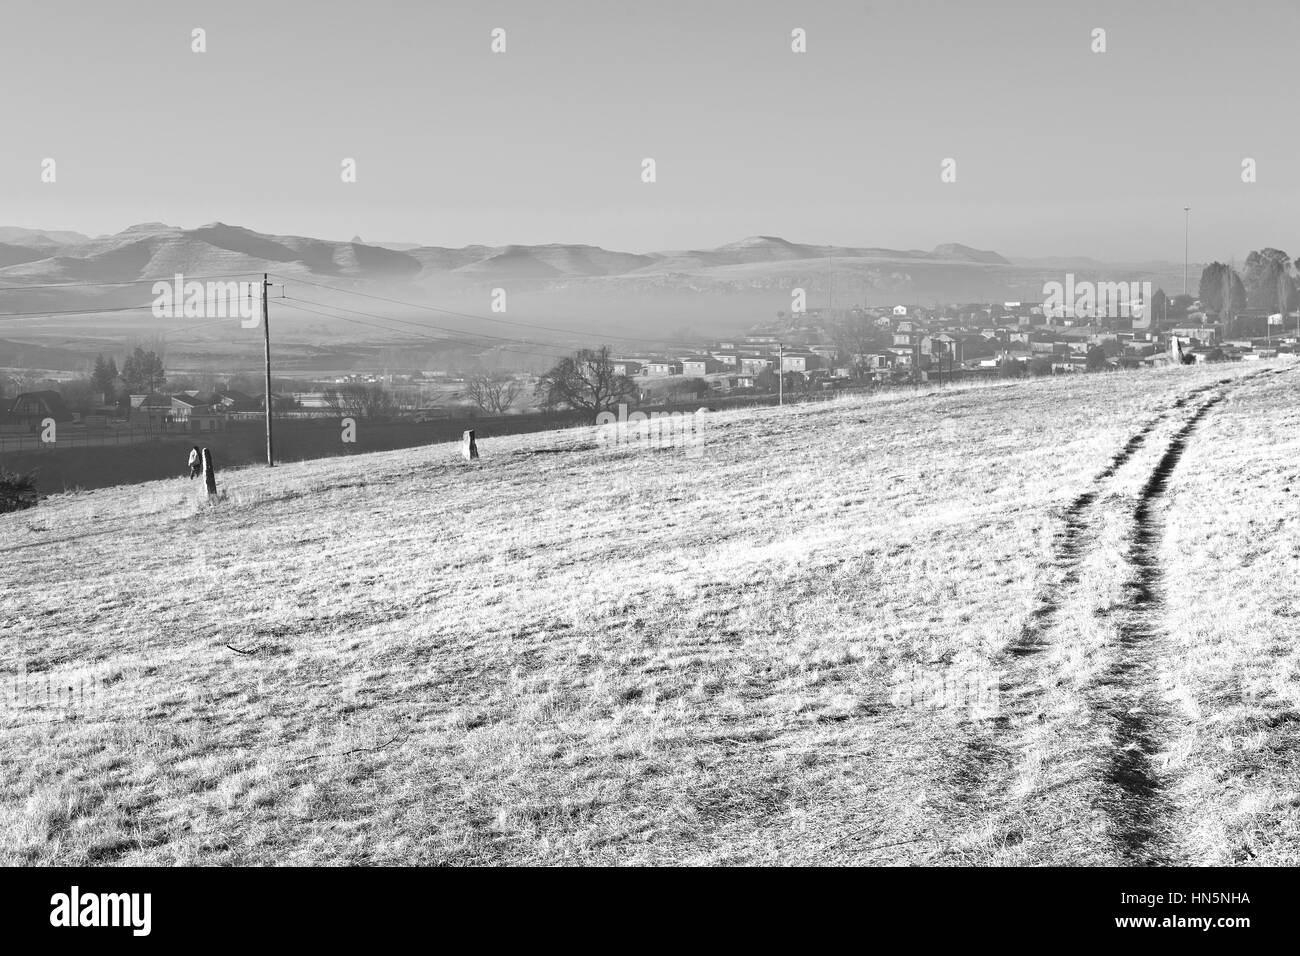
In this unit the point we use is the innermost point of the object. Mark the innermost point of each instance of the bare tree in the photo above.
(493, 393)
(855, 336)
(585, 381)
(359, 401)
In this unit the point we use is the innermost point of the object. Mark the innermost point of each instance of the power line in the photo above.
(422, 325)
(88, 285)
(469, 315)
(290, 302)
(43, 315)
(459, 336)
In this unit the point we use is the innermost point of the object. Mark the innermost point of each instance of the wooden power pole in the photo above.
(780, 373)
(266, 334)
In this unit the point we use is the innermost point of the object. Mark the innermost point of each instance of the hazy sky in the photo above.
(1059, 150)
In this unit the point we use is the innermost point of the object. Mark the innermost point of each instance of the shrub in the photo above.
(17, 491)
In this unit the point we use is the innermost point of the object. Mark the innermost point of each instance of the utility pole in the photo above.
(266, 334)
(780, 373)
(1187, 231)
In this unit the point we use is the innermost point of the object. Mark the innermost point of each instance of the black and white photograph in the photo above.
(505, 434)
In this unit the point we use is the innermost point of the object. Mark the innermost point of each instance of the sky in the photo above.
(1059, 150)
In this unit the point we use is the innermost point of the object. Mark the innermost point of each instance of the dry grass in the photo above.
(1235, 676)
(772, 653)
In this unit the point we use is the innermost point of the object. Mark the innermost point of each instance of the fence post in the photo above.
(468, 446)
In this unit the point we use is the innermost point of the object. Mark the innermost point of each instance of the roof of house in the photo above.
(47, 403)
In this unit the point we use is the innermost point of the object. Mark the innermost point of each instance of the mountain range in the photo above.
(581, 287)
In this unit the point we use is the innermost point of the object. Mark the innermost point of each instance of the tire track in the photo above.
(985, 766)
(982, 766)
(1067, 553)
(1134, 798)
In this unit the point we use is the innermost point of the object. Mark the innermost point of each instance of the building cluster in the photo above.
(187, 411)
(908, 344)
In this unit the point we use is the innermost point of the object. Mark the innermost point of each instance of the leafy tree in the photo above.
(1096, 360)
(1040, 366)
(101, 378)
(1287, 294)
(1221, 289)
(1210, 289)
(1237, 298)
(80, 395)
(585, 381)
(143, 372)
(1265, 270)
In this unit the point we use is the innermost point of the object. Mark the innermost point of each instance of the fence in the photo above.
(69, 436)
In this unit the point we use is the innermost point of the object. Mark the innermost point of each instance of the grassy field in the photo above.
(1028, 623)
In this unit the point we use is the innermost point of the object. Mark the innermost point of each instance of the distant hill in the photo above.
(35, 237)
(24, 356)
(583, 287)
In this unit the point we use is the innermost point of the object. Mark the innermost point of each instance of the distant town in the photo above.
(811, 354)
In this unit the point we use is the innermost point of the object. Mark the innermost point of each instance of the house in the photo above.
(151, 411)
(626, 367)
(232, 400)
(900, 310)
(663, 368)
(800, 362)
(208, 420)
(279, 403)
(29, 410)
(898, 357)
(953, 348)
(313, 401)
(186, 405)
(1252, 323)
(701, 366)
(1206, 335)
(754, 364)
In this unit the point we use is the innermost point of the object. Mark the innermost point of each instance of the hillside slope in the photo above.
(902, 630)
